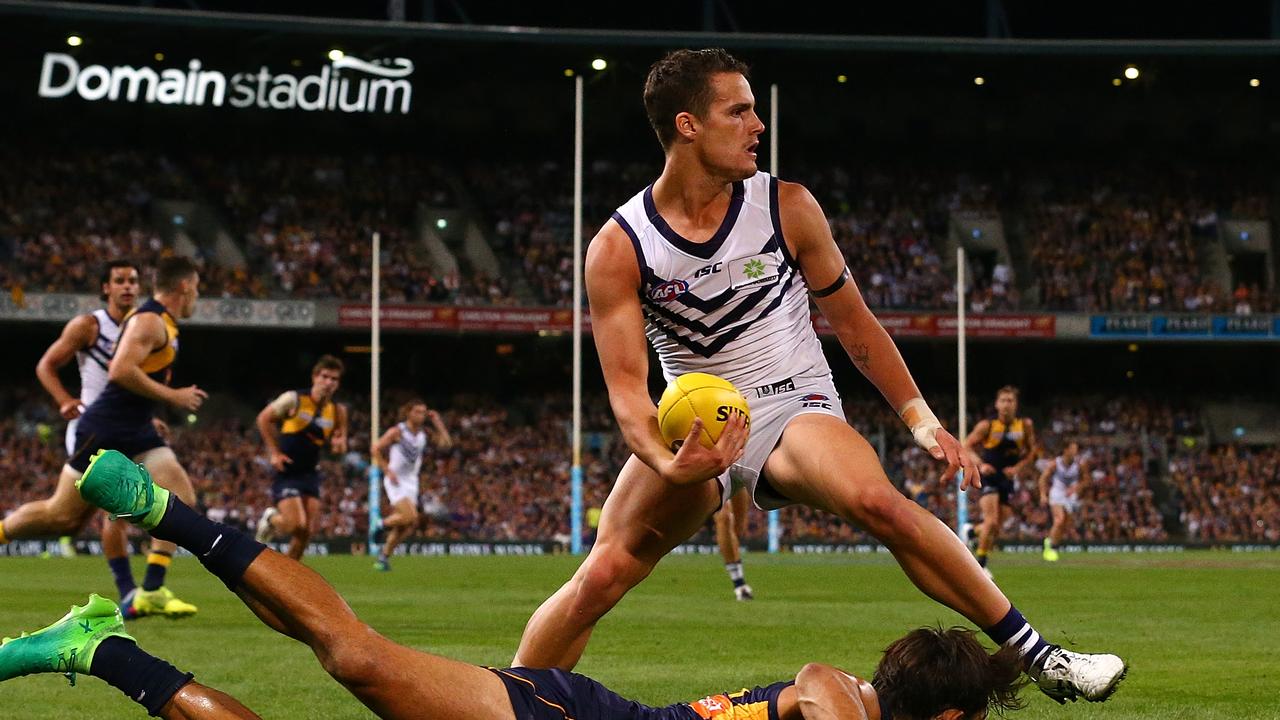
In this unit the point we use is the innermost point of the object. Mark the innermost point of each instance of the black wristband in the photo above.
(833, 287)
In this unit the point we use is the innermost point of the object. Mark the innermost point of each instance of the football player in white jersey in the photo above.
(91, 339)
(715, 262)
(1060, 486)
(399, 453)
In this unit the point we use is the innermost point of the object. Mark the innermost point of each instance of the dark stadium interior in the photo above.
(1115, 195)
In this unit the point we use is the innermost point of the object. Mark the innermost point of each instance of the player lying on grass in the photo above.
(943, 674)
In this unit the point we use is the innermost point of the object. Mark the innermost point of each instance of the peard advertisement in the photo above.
(461, 318)
(1185, 327)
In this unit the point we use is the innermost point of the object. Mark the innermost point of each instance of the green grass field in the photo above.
(1200, 630)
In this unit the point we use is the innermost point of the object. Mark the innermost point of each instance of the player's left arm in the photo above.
(823, 692)
(338, 441)
(806, 232)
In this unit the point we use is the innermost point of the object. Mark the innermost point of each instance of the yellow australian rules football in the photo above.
(703, 395)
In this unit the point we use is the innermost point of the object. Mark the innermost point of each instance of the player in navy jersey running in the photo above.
(136, 379)
(930, 674)
(715, 263)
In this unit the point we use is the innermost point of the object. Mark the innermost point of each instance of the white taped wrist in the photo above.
(922, 422)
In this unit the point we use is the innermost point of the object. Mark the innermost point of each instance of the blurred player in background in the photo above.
(295, 427)
(399, 453)
(715, 264)
(731, 524)
(1060, 486)
(929, 674)
(1004, 446)
(137, 376)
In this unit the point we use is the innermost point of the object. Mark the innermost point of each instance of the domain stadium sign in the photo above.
(348, 85)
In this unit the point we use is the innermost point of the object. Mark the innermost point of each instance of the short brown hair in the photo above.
(172, 270)
(931, 670)
(681, 82)
(328, 362)
(1011, 389)
(405, 408)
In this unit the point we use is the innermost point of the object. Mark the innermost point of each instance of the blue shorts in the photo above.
(95, 433)
(559, 695)
(299, 485)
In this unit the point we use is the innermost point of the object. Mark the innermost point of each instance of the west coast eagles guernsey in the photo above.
(735, 306)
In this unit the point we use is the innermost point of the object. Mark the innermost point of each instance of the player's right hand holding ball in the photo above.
(705, 421)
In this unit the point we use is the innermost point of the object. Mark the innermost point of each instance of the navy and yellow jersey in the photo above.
(559, 695)
(118, 405)
(1005, 445)
(305, 431)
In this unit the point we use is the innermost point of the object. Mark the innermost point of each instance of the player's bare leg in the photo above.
(1060, 520)
(989, 531)
(643, 519)
(64, 513)
(391, 680)
(294, 522)
(402, 523)
(824, 463)
(199, 702)
(731, 523)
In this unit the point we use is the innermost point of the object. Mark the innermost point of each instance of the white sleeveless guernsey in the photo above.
(1065, 476)
(93, 362)
(94, 359)
(735, 306)
(406, 453)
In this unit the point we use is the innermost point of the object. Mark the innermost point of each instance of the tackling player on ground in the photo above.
(929, 674)
(137, 376)
(716, 262)
(295, 428)
(1004, 446)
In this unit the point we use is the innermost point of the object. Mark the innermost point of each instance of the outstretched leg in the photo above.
(643, 519)
(62, 514)
(393, 681)
(826, 464)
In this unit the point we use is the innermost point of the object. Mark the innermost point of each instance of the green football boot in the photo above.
(123, 488)
(66, 646)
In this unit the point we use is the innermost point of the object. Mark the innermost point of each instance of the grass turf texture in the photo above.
(1198, 628)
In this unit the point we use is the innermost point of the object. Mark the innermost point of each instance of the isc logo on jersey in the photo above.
(710, 707)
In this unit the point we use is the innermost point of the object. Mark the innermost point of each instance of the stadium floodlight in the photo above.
(1131, 72)
(336, 54)
(441, 223)
(568, 72)
(159, 57)
(979, 80)
(75, 40)
(599, 64)
(1254, 82)
(842, 79)
(1116, 81)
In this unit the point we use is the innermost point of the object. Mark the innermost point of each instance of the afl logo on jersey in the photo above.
(816, 400)
(669, 290)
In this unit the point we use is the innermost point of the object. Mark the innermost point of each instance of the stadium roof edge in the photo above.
(571, 36)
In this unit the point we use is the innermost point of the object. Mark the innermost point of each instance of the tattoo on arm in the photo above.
(861, 355)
